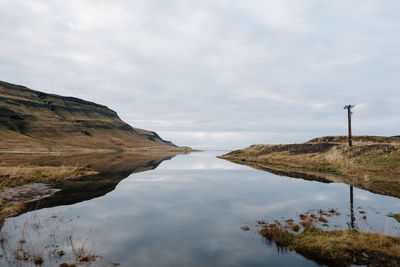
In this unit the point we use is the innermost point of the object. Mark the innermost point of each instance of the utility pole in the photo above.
(349, 113)
(349, 107)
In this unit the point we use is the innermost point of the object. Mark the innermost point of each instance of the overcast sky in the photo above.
(214, 73)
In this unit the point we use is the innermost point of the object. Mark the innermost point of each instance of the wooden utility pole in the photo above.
(349, 107)
(349, 113)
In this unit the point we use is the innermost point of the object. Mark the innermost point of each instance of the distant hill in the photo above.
(31, 120)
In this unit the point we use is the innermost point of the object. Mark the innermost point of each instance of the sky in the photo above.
(214, 73)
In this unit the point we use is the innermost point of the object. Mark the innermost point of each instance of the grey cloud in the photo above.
(214, 73)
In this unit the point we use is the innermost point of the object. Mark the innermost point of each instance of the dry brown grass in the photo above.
(67, 265)
(332, 247)
(38, 260)
(19, 175)
(45, 241)
(9, 209)
(80, 251)
(369, 165)
(12, 175)
(340, 247)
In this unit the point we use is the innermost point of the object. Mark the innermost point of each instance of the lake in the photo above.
(189, 211)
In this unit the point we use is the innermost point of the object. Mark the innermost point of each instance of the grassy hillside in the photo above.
(34, 121)
(372, 163)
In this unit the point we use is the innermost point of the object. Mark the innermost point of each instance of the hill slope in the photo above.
(31, 120)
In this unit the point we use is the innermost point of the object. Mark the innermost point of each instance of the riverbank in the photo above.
(28, 177)
(372, 163)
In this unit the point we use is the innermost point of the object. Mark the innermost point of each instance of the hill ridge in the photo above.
(31, 119)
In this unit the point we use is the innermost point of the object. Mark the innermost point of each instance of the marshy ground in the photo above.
(47, 241)
(330, 247)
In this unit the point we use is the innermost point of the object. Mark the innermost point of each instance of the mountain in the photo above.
(34, 121)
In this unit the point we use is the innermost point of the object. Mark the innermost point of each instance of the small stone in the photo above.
(245, 228)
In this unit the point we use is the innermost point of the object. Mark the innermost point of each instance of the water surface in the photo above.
(188, 212)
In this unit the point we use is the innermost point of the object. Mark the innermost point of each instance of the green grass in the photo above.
(326, 168)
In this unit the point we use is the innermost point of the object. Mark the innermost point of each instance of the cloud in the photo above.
(212, 72)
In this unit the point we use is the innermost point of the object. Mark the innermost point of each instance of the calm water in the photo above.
(188, 212)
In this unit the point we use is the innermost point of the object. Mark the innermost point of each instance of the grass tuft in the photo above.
(38, 260)
(336, 247)
(67, 265)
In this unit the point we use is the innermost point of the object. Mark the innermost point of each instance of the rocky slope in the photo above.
(34, 121)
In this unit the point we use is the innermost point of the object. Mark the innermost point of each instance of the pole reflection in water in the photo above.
(352, 218)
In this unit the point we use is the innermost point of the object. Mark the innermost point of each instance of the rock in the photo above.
(28, 192)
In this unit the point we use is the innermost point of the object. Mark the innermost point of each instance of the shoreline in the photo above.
(300, 173)
(100, 150)
(372, 166)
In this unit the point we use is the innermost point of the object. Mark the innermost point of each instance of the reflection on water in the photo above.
(189, 210)
(352, 218)
(111, 168)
